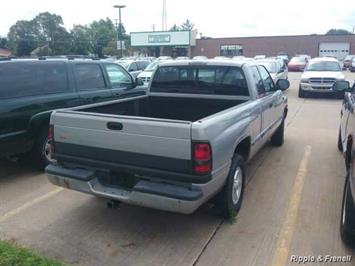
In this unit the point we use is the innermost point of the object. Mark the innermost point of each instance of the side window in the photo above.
(117, 76)
(53, 77)
(267, 80)
(133, 67)
(142, 64)
(258, 81)
(89, 77)
(24, 79)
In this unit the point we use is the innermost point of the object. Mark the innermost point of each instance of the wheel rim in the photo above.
(47, 152)
(237, 185)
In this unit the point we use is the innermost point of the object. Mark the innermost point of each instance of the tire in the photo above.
(301, 93)
(278, 138)
(340, 144)
(229, 200)
(39, 154)
(340, 95)
(347, 221)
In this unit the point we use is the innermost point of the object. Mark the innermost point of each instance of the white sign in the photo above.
(163, 38)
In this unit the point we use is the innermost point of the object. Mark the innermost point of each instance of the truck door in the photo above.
(90, 83)
(271, 103)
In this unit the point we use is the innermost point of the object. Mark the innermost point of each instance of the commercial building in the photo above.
(185, 43)
(157, 43)
(313, 45)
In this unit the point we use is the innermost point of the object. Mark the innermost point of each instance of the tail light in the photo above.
(202, 158)
(51, 138)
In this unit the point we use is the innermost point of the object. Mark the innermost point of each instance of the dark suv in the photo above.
(31, 88)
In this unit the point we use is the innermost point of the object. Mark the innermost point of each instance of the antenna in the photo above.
(164, 25)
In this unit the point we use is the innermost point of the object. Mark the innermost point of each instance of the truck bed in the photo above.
(186, 109)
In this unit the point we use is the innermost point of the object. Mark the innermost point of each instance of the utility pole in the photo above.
(119, 28)
(164, 25)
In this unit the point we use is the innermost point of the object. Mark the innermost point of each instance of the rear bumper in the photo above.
(168, 197)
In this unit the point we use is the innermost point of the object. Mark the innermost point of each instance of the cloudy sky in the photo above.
(222, 18)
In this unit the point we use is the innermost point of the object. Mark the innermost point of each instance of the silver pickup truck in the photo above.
(180, 145)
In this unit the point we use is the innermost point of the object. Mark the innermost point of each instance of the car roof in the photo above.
(53, 59)
(217, 62)
(322, 59)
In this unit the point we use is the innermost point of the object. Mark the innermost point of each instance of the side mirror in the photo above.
(342, 86)
(282, 84)
(139, 82)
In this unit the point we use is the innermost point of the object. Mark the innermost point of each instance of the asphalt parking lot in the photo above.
(291, 207)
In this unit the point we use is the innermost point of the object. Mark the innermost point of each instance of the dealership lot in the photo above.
(291, 207)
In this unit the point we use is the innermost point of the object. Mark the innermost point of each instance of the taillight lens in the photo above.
(202, 152)
(202, 158)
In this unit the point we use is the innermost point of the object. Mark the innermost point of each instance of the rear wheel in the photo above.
(41, 153)
(340, 144)
(301, 93)
(278, 138)
(347, 225)
(231, 196)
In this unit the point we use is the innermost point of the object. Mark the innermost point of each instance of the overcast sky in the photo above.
(222, 18)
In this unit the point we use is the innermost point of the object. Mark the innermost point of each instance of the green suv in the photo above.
(30, 89)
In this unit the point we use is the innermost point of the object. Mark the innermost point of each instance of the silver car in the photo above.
(134, 67)
(275, 68)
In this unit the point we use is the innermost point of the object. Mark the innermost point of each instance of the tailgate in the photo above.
(137, 141)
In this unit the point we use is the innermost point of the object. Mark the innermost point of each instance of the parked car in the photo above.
(275, 68)
(221, 58)
(238, 57)
(347, 146)
(134, 67)
(199, 57)
(352, 65)
(347, 61)
(164, 58)
(319, 77)
(284, 56)
(297, 63)
(146, 75)
(30, 89)
(182, 58)
(177, 147)
(259, 57)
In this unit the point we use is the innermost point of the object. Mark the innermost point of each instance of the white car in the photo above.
(146, 75)
(259, 57)
(182, 58)
(221, 58)
(199, 57)
(275, 68)
(320, 75)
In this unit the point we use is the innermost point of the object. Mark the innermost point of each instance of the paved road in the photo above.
(291, 207)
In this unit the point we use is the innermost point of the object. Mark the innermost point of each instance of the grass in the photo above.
(13, 255)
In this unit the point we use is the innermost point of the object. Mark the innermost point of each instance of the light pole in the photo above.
(119, 29)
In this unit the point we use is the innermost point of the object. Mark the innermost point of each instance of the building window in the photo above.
(231, 50)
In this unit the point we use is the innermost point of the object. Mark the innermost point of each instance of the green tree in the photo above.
(23, 37)
(101, 33)
(80, 40)
(187, 25)
(175, 28)
(51, 31)
(3, 42)
(338, 32)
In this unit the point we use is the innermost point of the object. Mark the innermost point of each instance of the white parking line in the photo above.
(29, 204)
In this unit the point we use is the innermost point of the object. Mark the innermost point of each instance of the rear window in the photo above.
(220, 80)
(23, 79)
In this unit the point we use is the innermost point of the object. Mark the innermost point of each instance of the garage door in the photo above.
(338, 50)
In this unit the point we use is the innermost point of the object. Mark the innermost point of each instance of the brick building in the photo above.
(313, 45)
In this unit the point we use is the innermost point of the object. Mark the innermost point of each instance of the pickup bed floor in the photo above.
(187, 109)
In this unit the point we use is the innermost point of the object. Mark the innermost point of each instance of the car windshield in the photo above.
(297, 60)
(323, 66)
(270, 66)
(152, 66)
(125, 64)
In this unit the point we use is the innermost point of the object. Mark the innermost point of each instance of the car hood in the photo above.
(145, 74)
(323, 74)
